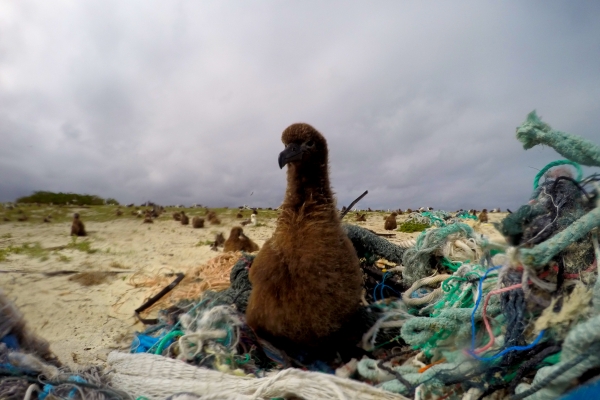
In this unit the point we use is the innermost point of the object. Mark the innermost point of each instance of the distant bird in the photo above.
(6, 219)
(177, 216)
(219, 241)
(253, 219)
(212, 218)
(483, 216)
(23, 218)
(390, 222)
(77, 227)
(184, 219)
(238, 241)
(197, 222)
(409, 211)
(119, 212)
(254, 211)
(148, 220)
(306, 279)
(246, 222)
(361, 217)
(46, 220)
(239, 215)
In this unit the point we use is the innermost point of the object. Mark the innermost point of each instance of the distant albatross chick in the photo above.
(77, 227)
(390, 222)
(306, 279)
(237, 241)
(197, 222)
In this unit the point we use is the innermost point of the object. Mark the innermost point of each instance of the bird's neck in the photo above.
(307, 185)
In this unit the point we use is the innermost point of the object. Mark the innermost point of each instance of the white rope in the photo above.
(157, 378)
(430, 280)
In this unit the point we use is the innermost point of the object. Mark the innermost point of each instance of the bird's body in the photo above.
(361, 217)
(184, 219)
(197, 222)
(238, 241)
(483, 216)
(77, 227)
(306, 279)
(390, 222)
(219, 241)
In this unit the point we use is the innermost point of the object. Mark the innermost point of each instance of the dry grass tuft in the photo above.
(214, 275)
(92, 278)
(117, 265)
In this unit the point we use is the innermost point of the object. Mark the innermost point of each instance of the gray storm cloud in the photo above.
(185, 102)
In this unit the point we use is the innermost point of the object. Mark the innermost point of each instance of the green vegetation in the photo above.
(63, 258)
(34, 250)
(84, 246)
(412, 226)
(64, 198)
(6, 236)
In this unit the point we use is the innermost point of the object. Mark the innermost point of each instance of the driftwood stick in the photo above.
(154, 299)
(343, 214)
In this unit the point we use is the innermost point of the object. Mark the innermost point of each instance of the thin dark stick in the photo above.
(343, 214)
(155, 298)
(409, 387)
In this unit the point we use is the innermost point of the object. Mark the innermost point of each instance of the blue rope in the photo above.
(479, 296)
(509, 349)
(381, 287)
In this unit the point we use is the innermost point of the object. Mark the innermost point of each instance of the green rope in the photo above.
(553, 164)
(161, 345)
(533, 132)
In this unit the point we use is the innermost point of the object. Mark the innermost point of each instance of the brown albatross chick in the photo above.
(361, 217)
(483, 216)
(185, 220)
(237, 241)
(306, 279)
(390, 222)
(77, 227)
(197, 222)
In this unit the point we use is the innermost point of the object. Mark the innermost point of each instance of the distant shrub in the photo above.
(64, 198)
(412, 226)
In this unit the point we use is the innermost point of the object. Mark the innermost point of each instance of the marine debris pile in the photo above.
(452, 315)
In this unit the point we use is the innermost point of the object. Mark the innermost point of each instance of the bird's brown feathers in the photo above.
(306, 279)
(238, 241)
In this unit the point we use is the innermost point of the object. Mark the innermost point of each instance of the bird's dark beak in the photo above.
(291, 153)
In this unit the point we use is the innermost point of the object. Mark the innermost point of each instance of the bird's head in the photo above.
(236, 231)
(304, 145)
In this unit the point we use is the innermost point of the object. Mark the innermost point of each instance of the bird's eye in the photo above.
(310, 143)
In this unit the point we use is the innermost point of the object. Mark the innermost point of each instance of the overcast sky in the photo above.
(185, 101)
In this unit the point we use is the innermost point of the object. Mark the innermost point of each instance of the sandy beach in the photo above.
(84, 321)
